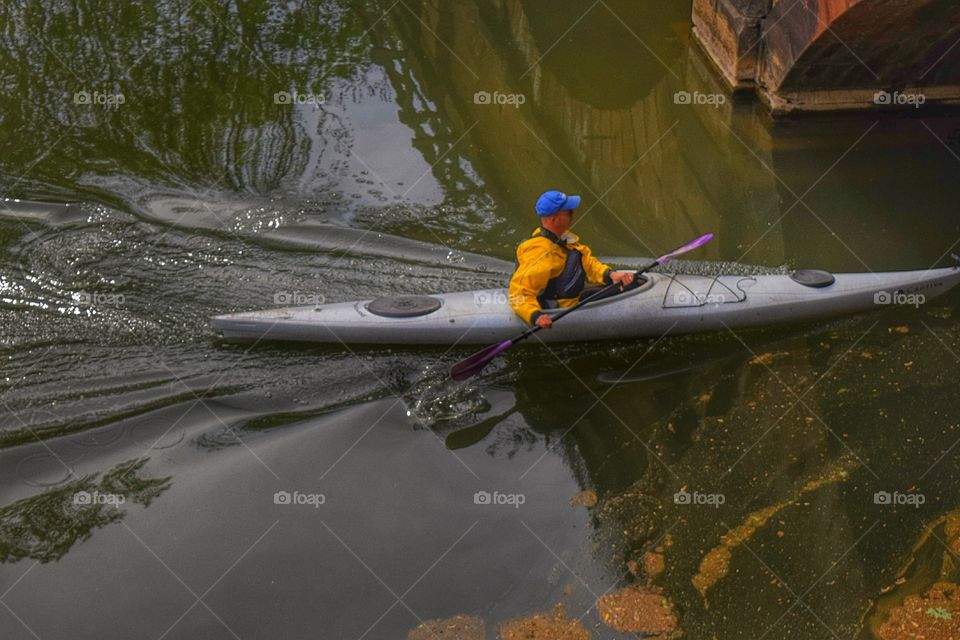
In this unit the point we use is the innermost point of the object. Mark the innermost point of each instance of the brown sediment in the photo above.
(544, 626)
(713, 567)
(653, 564)
(458, 627)
(716, 563)
(635, 610)
(835, 473)
(586, 498)
(933, 616)
(767, 358)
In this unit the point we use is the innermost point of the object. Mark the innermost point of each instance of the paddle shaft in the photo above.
(474, 364)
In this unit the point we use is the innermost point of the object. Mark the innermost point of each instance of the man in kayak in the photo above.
(553, 266)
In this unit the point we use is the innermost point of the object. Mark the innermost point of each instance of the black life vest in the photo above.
(570, 282)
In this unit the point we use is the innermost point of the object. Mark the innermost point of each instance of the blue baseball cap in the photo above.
(553, 201)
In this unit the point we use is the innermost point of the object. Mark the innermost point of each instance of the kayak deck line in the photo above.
(687, 297)
(664, 304)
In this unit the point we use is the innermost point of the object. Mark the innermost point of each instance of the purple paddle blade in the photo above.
(471, 366)
(690, 246)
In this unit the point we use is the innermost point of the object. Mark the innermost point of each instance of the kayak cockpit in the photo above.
(641, 284)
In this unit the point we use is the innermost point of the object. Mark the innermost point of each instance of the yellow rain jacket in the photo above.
(552, 272)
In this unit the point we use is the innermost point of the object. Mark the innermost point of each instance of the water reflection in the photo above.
(199, 86)
(45, 526)
(220, 198)
(830, 191)
(601, 116)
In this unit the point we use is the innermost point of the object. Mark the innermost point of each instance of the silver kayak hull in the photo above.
(665, 304)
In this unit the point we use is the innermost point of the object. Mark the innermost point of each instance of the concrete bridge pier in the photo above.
(828, 55)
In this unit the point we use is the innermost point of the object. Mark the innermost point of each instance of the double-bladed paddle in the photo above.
(471, 366)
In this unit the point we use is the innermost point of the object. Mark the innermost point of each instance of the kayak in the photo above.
(659, 305)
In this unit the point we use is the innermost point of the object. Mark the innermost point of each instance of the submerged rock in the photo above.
(933, 616)
(653, 564)
(635, 610)
(545, 626)
(932, 566)
(586, 498)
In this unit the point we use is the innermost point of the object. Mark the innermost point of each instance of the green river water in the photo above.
(177, 160)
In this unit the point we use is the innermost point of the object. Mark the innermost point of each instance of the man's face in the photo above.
(563, 220)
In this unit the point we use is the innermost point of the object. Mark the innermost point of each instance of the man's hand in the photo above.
(544, 322)
(623, 278)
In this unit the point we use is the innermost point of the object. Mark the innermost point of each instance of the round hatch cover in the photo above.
(403, 306)
(813, 278)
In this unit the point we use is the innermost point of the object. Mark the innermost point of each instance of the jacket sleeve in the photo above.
(597, 272)
(528, 281)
